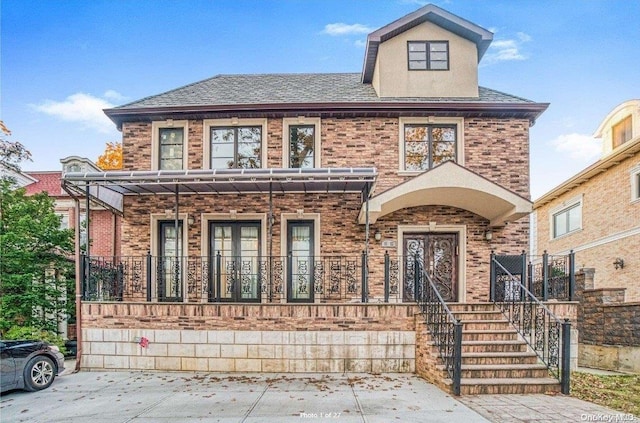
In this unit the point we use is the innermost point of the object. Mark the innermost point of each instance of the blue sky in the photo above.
(64, 61)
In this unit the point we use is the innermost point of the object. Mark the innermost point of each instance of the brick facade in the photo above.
(610, 228)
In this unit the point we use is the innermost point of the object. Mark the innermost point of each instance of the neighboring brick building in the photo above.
(267, 204)
(596, 213)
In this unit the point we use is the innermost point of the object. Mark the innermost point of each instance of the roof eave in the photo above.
(602, 165)
(530, 110)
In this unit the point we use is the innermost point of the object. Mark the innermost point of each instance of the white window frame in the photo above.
(233, 122)
(155, 141)
(301, 120)
(635, 184)
(561, 208)
(430, 120)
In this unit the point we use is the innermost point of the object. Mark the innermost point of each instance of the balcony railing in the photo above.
(239, 279)
(547, 277)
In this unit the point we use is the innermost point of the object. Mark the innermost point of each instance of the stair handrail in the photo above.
(547, 335)
(445, 329)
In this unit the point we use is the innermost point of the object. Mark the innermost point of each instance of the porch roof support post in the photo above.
(270, 217)
(365, 264)
(176, 224)
(79, 278)
(88, 207)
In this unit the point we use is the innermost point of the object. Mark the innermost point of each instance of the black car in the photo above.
(30, 365)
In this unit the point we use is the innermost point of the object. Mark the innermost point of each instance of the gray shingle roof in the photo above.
(321, 88)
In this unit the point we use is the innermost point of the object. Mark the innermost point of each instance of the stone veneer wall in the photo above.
(249, 338)
(609, 327)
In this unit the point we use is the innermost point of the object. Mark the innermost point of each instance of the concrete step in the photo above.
(503, 371)
(526, 357)
(479, 315)
(493, 346)
(477, 386)
(490, 335)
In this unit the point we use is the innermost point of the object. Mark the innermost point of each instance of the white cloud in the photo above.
(360, 43)
(114, 96)
(337, 29)
(81, 108)
(578, 146)
(506, 50)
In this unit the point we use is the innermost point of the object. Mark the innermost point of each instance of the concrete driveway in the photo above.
(109, 397)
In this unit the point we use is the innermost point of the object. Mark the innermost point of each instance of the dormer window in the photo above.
(428, 55)
(622, 132)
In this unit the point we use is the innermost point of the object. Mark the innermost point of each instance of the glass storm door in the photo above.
(169, 265)
(437, 254)
(239, 246)
(300, 261)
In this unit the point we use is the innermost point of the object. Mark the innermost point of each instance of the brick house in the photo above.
(275, 222)
(596, 213)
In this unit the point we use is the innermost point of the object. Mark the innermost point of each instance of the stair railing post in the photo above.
(545, 276)
(149, 293)
(492, 277)
(387, 271)
(416, 277)
(565, 380)
(457, 357)
(523, 278)
(572, 275)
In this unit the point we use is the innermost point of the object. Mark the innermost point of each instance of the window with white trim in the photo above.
(567, 220)
(426, 142)
(235, 143)
(621, 132)
(169, 145)
(635, 184)
(301, 142)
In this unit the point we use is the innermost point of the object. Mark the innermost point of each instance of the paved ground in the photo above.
(101, 397)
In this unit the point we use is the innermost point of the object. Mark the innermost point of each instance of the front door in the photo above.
(300, 261)
(437, 254)
(238, 246)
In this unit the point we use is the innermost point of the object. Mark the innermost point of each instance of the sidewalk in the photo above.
(101, 397)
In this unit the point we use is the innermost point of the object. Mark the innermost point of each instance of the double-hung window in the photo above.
(428, 55)
(621, 132)
(169, 145)
(236, 147)
(427, 145)
(635, 183)
(171, 154)
(302, 146)
(567, 220)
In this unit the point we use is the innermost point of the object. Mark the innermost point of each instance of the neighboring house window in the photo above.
(635, 184)
(73, 167)
(567, 220)
(301, 142)
(171, 155)
(427, 146)
(622, 132)
(428, 55)
(236, 147)
(64, 220)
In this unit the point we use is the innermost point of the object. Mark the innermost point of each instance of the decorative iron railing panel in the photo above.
(546, 334)
(445, 329)
(223, 278)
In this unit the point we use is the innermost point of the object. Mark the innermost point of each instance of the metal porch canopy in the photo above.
(109, 188)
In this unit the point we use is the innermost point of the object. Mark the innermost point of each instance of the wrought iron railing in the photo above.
(548, 277)
(546, 334)
(552, 276)
(226, 278)
(445, 329)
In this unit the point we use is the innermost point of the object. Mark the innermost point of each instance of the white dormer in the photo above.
(428, 53)
(619, 127)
